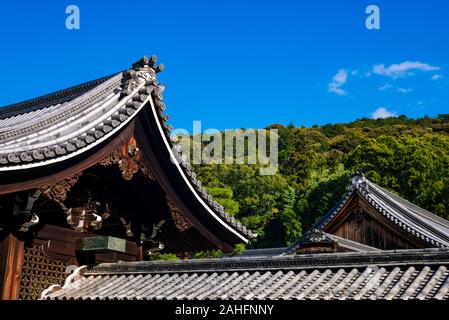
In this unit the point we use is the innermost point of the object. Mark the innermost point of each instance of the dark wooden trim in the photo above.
(59, 243)
(11, 256)
(343, 213)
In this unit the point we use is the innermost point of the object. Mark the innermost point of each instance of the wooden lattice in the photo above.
(38, 273)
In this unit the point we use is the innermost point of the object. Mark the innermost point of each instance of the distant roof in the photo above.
(401, 274)
(414, 220)
(316, 237)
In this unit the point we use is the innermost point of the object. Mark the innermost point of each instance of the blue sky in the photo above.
(240, 63)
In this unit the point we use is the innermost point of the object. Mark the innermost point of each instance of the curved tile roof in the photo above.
(60, 131)
(65, 124)
(49, 100)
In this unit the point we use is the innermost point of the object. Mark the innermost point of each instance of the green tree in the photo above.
(224, 196)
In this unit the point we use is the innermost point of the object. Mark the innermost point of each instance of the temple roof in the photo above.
(413, 220)
(401, 274)
(50, 138)
(60, 125)
(49, 100)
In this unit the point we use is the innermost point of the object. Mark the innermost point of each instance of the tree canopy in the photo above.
(409, 157)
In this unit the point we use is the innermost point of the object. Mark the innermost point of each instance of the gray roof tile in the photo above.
(400, 274)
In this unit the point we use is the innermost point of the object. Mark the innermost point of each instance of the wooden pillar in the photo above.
(11, 259)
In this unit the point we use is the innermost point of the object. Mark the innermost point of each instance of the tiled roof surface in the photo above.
(405, 274)
(49, 100)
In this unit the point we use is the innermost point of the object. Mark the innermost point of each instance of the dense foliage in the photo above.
(407, 156)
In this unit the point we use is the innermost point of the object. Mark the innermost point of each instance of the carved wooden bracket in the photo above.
(80, 218)
(129, 160)
(83, 219)
(58, 191)
(179, 219)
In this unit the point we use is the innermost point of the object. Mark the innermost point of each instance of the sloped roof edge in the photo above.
(414, 220)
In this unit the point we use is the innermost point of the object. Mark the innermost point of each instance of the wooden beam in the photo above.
(101, 244)
(11, 258)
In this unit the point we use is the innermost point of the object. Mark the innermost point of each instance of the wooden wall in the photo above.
(11, 258)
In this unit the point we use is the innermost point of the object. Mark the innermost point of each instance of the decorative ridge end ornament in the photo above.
(316, 235)
(313, 241)
(76, 275)
(143, 70)
(360, 182)
(145, 62)
(52, 289)
(312, 236)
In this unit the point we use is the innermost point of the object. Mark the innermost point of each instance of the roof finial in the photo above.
(145, 62)
(359, 180)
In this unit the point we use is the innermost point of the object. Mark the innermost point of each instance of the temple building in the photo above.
(92, 183)
(92, 174)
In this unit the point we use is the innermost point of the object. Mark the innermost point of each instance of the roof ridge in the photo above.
(52, 98)
(414, 217)
(432, 216)
(301, 261)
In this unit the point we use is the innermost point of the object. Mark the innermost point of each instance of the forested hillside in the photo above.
(407, 156)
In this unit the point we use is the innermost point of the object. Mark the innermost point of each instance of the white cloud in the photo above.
(386, 86)
(402, 69)
(338, 81)
(437, 77)
(405, 90)
(382, 113)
